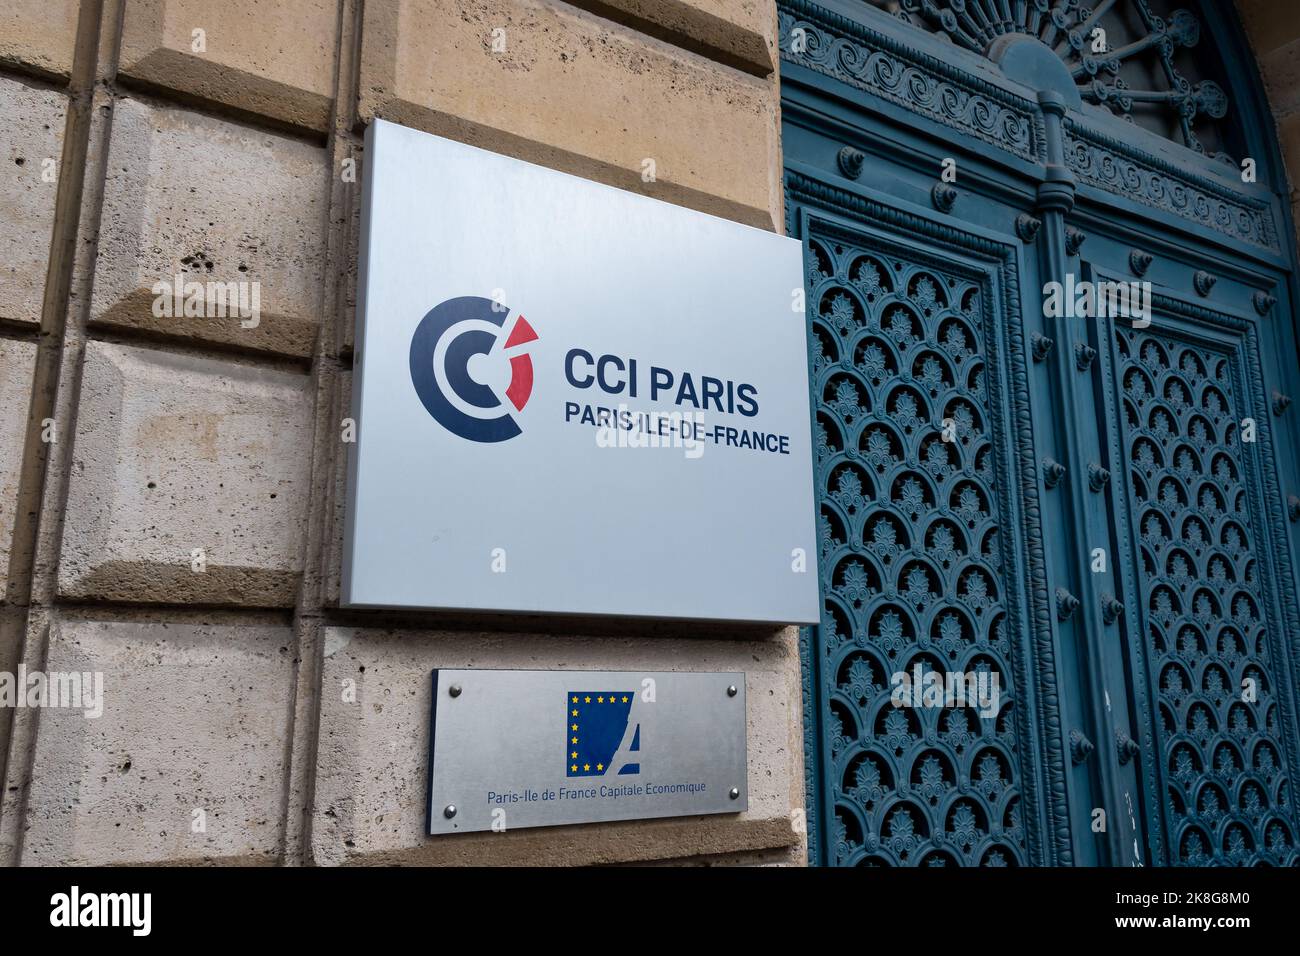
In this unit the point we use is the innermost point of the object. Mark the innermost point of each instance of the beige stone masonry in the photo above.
(1282, 77)
(39, 36)
(195, 717)
(1274, 32)
(175, 453)
(741, 33)
(31, 148)
(213, 201)
(17, 363)
(183, 433)
(272, 59)
(371, 783)
(577, 93)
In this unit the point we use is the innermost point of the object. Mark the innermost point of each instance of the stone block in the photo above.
(239, 211)
(39, 36)
(194, 718)
(741, 33)
(31, 149)
(17, 365)
(556, 86)
(175, 454)
(273, 59)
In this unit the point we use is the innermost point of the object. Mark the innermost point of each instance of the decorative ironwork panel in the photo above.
(878, 64)
(898, 60)
(912, 570)
(1108, 164)
(1211, 637)
(1121, 53)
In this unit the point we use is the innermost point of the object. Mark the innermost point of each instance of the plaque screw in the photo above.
(454, 690)
(735, 793)
(731, 691)
(449, 810)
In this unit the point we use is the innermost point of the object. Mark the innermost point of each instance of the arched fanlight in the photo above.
(1120, 52)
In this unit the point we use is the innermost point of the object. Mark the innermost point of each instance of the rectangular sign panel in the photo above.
(572, 398)
(511, 749)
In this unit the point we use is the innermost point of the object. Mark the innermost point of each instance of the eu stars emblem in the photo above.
(599, 737)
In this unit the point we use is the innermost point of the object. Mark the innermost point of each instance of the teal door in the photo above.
(1056, 552)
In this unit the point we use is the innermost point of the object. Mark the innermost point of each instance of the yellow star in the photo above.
(574, 768)
(600, 700)
(574, 740)
(600, 766)
(574, 727)
(586, 766)
(612, 700)
(575, 698)
(574, 755)
(625, 698)
(587, 699)
(575, 713)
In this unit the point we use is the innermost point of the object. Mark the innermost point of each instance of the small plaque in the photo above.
(513, 749)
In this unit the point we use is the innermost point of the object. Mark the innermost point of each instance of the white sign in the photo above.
(571, 398)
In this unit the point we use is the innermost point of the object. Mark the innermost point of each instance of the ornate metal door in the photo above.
(1214, 616)
(1087, 512)
(930, 550)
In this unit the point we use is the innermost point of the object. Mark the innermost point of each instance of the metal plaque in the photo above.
(570, 398)
(512, 749)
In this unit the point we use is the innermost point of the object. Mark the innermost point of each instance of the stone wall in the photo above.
(1273, 29)
(171, 486)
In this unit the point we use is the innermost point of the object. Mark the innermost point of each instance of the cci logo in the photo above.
(603, 738)
(461, 369)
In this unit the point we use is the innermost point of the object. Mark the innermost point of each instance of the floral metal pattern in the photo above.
(912, 574)
(1206, 623)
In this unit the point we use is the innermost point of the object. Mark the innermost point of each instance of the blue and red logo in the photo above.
(461, 367)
